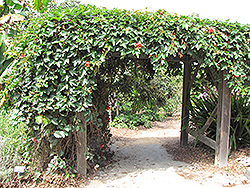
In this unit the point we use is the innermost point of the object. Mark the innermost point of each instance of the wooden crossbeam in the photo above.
(208, 122)
(199, 134)
(204, 139)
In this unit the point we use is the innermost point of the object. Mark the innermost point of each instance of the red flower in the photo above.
(211, 30)
(138, 45)
(87, 63)
(34, 139)
(22, 56)
(161, 13)
(101, 146)
(108, 108)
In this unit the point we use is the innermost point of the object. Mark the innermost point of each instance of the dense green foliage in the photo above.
(132, 121)
(13, 13)
(70, 59)
(12, 6)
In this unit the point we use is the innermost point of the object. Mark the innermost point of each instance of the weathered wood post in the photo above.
(81, 147)
(223, 122)
(185, 102)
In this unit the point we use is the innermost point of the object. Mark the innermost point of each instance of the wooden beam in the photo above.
(81, 147)
(199, 134)
(204, 139)
(185, 102)
(223, 122)
(208, 122)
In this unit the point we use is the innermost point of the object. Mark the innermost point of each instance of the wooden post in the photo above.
(185, 102)
(223, 122)
(81, 147)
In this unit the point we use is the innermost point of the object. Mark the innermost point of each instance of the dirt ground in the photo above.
(153, 158)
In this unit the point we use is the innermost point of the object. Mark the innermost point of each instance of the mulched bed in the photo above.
(202, 168)
(57, 180)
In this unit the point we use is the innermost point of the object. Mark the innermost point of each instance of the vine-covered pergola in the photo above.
(69, 59)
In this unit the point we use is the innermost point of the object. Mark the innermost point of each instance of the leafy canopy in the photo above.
(158, 36)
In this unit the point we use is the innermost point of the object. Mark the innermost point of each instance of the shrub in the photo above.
(240, 122)
(173, 94)
(132, 121)
(11, 139)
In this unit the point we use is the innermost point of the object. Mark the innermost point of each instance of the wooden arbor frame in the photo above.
(223, 111)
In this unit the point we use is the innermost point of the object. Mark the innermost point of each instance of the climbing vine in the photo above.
(70, 59)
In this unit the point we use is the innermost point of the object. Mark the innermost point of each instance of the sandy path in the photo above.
(142, 162)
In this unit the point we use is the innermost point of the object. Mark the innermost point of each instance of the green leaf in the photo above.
(45, 3)
(60, 134)
(41, 5)
(18, 6)
(37, 5)
(9, 2)
(39, 119)
(185, 25)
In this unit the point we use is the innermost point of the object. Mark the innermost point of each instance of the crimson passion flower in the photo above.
(138, 45)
